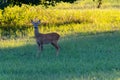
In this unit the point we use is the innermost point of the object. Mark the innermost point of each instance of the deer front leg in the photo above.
(40, 48)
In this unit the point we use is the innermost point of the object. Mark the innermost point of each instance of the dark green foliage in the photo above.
(14, 32)
(4, 3)
(19, 2)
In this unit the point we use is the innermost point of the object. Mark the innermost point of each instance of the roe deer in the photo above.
(42, 39)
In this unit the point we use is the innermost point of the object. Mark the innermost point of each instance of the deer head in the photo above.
(35, 24)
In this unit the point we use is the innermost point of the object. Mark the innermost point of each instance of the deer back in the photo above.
(47, 38)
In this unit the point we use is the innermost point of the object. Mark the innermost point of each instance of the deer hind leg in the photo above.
(56, 46)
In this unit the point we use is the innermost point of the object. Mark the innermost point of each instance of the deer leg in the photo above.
(56, 46)
(40, 48)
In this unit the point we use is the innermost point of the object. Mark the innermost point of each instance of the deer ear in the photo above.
(39, 22)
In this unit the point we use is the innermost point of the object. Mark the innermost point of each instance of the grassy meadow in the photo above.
(90, 42)
(90, 57)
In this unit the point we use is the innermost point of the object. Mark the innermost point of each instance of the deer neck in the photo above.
(36, 32)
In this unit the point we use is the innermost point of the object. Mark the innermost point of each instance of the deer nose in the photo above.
(35, 27)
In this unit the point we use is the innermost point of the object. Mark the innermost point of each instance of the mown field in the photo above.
(90, 42)
(90, 57)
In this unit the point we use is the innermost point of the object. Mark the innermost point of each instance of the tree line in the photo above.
(4, 3)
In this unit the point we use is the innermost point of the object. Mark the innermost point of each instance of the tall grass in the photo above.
(22, 15)
(16, 20)
(70, 18)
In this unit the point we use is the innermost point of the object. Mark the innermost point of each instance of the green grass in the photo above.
(90, 42)
(82, 57)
